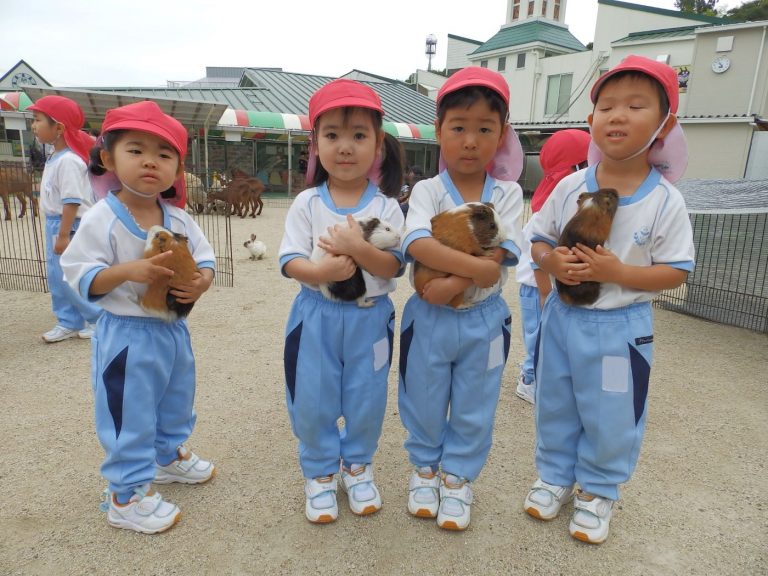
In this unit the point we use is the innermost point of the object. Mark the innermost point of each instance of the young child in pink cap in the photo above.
(594, 360)
(337, 354)
(452, 359)
(562, 154)
(65, 196)
(143, 366)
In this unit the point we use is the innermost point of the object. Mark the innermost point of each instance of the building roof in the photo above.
(532, 31)
(665, 33)
(463, 39)
(665, 12)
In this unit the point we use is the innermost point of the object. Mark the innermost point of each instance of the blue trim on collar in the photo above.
(456, 196)
(53, 158)
(368, 195)
(647, 186)
(127, 219)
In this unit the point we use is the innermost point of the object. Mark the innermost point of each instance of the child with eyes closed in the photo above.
(337, 354)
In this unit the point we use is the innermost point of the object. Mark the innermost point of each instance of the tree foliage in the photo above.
(752, 10)
(704, 7)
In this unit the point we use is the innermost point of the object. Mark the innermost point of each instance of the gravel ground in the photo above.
(698, 502)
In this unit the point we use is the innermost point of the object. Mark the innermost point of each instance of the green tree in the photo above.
(704, 7)
(752, 10)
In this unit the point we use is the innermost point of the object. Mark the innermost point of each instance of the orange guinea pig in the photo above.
(157, 300)
(590, 226)
(474, 228)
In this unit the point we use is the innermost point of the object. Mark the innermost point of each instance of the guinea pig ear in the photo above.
(179, 237)
(490, 205)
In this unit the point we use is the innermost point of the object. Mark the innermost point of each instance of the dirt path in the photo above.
(698, 503)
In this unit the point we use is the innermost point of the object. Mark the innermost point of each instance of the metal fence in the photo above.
(22, 232)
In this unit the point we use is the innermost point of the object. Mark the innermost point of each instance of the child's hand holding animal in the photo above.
(191, 292)
(147, 270)
(602, 265)
(562, 263)
(333, 268)
(344, 239)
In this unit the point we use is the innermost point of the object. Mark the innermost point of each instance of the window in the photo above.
(483, 63)
(530, 8)
(515, 9)
(502, 64)
(544, 8)
(556, 14)
(521, 60)
(558, 94)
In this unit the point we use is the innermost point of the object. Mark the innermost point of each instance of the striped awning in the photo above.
(273, 121)
(14, 101)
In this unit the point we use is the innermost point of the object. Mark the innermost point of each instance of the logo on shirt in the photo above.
(642, 236)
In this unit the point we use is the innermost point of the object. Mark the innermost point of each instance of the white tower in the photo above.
(430, 49)
(522, 10)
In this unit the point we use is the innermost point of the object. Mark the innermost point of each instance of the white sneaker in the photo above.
(455, 503)
(321, 507)
(364, 497)
(591, 518)
(59, 333)
(146, 512)
(424, 492)
(86, 333)
(187, 469)
(526, 391)
(545, 500)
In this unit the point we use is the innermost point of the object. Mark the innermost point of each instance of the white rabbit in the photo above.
(257, 248)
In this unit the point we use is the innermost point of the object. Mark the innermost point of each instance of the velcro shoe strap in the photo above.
(187, 461)
(598, 507)
(462, 494)
(362, 477)
(418, 481)
(148, 504)
(313, 489)
(557, 492)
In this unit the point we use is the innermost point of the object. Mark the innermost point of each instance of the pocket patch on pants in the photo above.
(496, 352)
(615, 374)
(380, 354)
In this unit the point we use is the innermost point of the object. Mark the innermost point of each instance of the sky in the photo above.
(149, 42)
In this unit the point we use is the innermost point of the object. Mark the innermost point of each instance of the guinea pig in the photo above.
(380, 234)
(257, 248)
(474, 228)
(590, 226)
(157, 300)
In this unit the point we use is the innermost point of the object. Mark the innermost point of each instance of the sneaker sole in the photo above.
(124, 525)
(536, 514)
(423, 513)
(526, 398)
(170, 479)
(58, 339)
(323, 519)
(367, 511)
(585, 538)
(452, 526)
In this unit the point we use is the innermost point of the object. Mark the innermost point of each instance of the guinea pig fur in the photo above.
(591, 225)
(474, 228)
(257, 248)
(380, 234)
(157, 300)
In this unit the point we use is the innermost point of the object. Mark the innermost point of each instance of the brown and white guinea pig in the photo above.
(591, 225)
(474, 228)
(380, 234)
(157, 300)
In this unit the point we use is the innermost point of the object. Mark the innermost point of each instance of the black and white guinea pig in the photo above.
(474, 228)
(378, 233)
(257, 248)
(157, 300)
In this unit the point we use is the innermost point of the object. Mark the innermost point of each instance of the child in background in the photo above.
(562, 154)
(452, 360)
(337, 355)
(594, 361)
(143, 367)
(65, 195)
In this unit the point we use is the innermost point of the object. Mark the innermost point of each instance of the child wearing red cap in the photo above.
(562, 154)
(143, 367)
(337, 354)
(594, 360)
(65, 196)
(452, 360)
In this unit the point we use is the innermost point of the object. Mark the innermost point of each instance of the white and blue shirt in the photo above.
(650, 227)
(65, 181)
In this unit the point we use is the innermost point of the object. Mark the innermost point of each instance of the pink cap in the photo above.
(340, 94)
(68, 113)
(475, 76)
(669, 155)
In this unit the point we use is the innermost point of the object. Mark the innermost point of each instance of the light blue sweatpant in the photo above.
(451, 363)
(592, 373)
(70, 309)
(530, 316)
(144, 384)
(337, 358)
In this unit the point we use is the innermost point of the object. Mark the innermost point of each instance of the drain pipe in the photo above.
(757, 72)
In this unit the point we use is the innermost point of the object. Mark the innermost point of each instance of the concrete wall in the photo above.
(717, 151)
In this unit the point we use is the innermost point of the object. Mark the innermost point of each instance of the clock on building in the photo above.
(22, 79)
(720, 64)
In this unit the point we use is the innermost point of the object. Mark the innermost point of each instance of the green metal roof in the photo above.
(665, 12)
(658, 34)
(533, 31)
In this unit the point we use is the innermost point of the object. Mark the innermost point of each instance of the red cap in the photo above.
(340, 94)
(559, 156)
(475, 76)
(68, 113)
(662, 73)
(148, 117)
